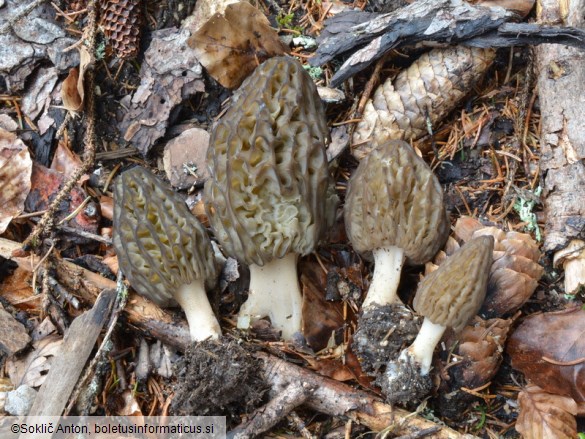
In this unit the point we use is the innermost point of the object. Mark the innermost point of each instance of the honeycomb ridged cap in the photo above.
(159, 243)
(394, 199)
(453, 293)
(270, 191)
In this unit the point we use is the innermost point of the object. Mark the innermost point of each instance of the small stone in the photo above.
(6, 122)
(184, 158)
(19, 401)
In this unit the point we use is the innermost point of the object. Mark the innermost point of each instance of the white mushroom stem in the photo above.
(274, 293)
(387, 267)
(421, 350)
(202, 322)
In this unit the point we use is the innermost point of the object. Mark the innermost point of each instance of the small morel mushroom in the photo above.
(393, 209)
(448, 297)
(515, 271)
(163, 249)
(269, 197)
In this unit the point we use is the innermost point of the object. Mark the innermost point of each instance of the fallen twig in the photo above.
(293, 396)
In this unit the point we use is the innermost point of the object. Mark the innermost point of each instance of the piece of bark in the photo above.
(442, 21)
(67, 367)
(140, 312)
(13, 335)
(561, 86)
(167, 79)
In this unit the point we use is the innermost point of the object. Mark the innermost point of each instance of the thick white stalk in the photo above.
(202, 322)
(387, 267)
(421, 350)
(274, 293)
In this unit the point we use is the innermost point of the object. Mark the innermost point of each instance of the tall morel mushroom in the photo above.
(448, 297)
(393, 209)
(269, 197)
(163, 249)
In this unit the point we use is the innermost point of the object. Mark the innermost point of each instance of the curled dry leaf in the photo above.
(549, 349)
(69, 95)
(72, 89)
(232, 45)
(545, 416)
(15, 172)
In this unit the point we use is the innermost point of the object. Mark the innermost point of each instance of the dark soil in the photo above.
(218, 378)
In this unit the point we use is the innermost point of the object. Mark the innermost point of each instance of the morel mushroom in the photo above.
(515, 271)
(393, 209)
(163, 249)
(269, 197)
(448, 297)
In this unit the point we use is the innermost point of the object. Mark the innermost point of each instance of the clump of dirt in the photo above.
(219, 378)
(382, 333)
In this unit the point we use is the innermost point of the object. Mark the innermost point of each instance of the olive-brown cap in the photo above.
(453, 293)
(394, 199)
(268, 191)
(159, 243)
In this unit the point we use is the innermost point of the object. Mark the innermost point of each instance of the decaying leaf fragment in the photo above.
(545, 416)
(429, 89)
(549, 349)
(15, 172)
(231, 45)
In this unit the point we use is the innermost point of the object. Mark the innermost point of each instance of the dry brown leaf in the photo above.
(545, 416)
(320, 318)
(32, 368)
(549, 349)
(17, 289)
(69, 94)
(15, 172)
(67, 162)
(232, 45)
(72, 89)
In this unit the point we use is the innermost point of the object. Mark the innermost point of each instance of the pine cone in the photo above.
(432, 86)
(121, 20)
(479, 354)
